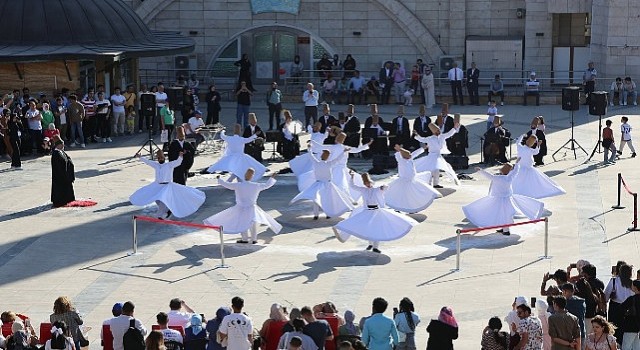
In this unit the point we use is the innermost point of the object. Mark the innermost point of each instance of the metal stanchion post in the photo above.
(135, 236)
(618, 206)
(546, 238)
(458, 250)
(222, 264)
(635, 213)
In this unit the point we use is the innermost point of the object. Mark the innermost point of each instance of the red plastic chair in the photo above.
(156, 327)
(6, 329)
(107, 337)
(333, 323)
(45, 332)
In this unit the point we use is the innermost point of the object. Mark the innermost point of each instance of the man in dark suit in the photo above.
(386, 79)
(255, 147)
(421, 123)
(327, 120)
(473, 74)
(400, 130)
(496, 141)
(352, 128)
(177, 146)
(373, 128)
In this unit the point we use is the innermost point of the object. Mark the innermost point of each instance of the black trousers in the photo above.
(499, 93)
(456, 91)
(310, 113)
(274, 114)
(105, 125)
(15, 156)
(386, 94)
(589, 87)
(473, 94)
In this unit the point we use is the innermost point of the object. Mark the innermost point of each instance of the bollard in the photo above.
(135, 236)
(546, 237)
(222, 264)
(635, 213)
(618, 206)
(458, 250)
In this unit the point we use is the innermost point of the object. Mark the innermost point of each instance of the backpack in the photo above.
(133, 338)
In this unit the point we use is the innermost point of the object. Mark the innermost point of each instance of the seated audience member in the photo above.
(343, 90)
(372, 88)
(167, 333)
(48, 135)
(532, 88)
(60, 337)
(496, 89)
(496, 141)
(615, 92)
(356, 87)
(629, 92)
(155, 341)
(330, 89)
(193, 127)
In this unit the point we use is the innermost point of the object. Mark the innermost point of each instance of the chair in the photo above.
(173, 345)
(45, 332)
(6, 329)
(107, 337)
(156, 327)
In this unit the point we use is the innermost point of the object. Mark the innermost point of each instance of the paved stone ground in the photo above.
(82, 252)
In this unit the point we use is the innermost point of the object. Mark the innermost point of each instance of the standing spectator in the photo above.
(245, 72)
(589, 81)
(629, 89)
(421, 69)
(167, 120)
(60, 114)
(399, 81)
(195, 336)
(386, 81)
(177, 317)
(349, 66)
(575, 305)
(560, 277)
(602, 337)
(443, 331)
(356, 87)
(543, 314)
(193, 83)
(473, 76)
(427, 87)
(116, 311)
(188, 104)
(318, 330)
(616, 292)
(324, 66)
(169, 335)
(212, 328)
(119, 325)
(15, 128)
(90, 121)
(102, 113)
(274, 102)
(625, 137)
(616, 91)
(584, 290)
(297, 69)
(161, 101)
(47, 115)
(142, 119)
(336, 65)
(75, 112)
(243, 95)
(415, 78)
(379, 331)
(529, 329)
(349, 329)
(236, 329)
(213, 106)
(293, 315)
(131, 119)
(532, 88)
(296, 331)
(130, 97)
(63, 311)
(119, 102)
(563, 327)
(631, 319)
(34, 118)
(406, 321)
(455, 76)
(329, 89)
(271, 330)
(492, 336)
(310, 98)
(496, 89)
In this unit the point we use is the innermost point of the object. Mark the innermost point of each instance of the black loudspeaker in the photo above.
(148, 104)
(457, 162)
(175, 96)
(598, 104)
(571, 98)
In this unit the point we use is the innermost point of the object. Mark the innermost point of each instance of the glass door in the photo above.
(274, 53)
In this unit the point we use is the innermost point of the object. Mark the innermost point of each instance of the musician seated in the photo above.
(192, 128)
(255, 147)
(351, 127)
(289, 146)
(332, 133)
(496, 141)
(373, 129)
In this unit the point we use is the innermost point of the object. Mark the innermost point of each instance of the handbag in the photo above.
(164, 136)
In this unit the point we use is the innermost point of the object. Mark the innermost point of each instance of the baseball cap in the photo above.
(117, 307)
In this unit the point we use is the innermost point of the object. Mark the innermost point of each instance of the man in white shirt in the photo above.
(116, 311)
(310, 98)
(177, 317)
(193, 127)
(455, 79)
(167, 333)
(161, 100)
(119, 325)
(236, 330)
(118, 102)
(532, 88)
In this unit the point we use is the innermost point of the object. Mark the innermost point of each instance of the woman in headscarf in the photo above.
(271, 330)
(212, 328)
(293, 315)
(349, 328)
(195, 337)
(442, 331)
(543, 315)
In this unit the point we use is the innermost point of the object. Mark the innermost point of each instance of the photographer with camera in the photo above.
(560, 277)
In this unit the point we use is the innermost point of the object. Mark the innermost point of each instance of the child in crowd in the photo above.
(491, 114)
(48, 136)
(609, 143)
(625, 128)
(131, 119)
(408, 97)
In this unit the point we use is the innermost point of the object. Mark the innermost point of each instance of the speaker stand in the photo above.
(572, 142)
(597, 147)
(149, 143)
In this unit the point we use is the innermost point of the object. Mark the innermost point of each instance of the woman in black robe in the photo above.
(245, 71)
(62, 175)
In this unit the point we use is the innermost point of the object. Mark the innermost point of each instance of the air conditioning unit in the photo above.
(446, 62)
(184, 65)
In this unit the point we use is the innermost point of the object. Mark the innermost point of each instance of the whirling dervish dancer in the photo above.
(246, 215)
(433, 161)
(410, 192)
(501, 204)
(171, 198)
(529, 181)
(372, 221)
(234, 159)
(323, 192)
(303, 163)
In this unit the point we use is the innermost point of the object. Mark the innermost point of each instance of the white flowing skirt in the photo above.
(339, 176)
(181, 200)
(301, 164)
(239, 219)
(332, 200)
(533, 183)
(433, 161)
(238, 163)
(410, 195)
(492, 211)
(380, 224)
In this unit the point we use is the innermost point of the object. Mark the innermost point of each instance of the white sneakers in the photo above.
(82, 145)
(109, 139)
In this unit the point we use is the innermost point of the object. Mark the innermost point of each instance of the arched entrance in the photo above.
(271, 50)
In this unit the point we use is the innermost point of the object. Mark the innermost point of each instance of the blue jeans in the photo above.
(634, 96)
(242, 115)
(76, 127)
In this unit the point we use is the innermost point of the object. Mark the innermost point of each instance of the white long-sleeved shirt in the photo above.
(164, 171)
(406, 167)
(436, 143)
(322, 169)
(500, 184)
(371, 196)
(310, 98)
(235, 143)
(247, 191)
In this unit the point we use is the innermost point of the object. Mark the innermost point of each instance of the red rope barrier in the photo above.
(173, 222)
(475, 229)
(624, 184)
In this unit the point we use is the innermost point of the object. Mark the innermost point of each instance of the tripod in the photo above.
(150, 141)
(571, 141)
(597, 147)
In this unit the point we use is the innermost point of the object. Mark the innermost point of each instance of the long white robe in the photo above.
(372, 221)
(303, 163)
(242, 216)
(501, 204)
(530, 181)
(410, 192)
(433, 160)
(323, 192)
(181, 200)
(235, 160)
